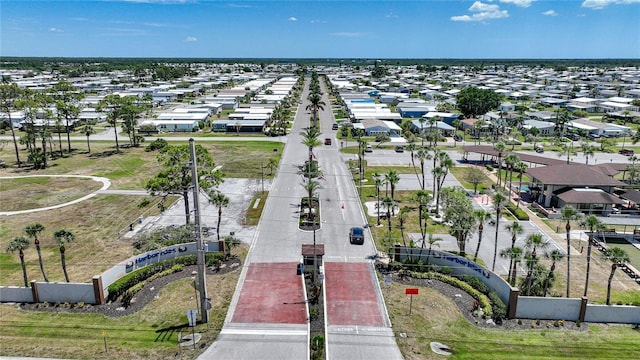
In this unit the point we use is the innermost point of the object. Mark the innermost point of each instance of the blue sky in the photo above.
(322, 29)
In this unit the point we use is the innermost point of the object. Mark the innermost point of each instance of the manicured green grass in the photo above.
(634, 253)
(436, 318)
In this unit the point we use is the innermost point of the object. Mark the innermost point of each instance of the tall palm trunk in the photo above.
(495, 247)
(37, 244)
(480, 228)
(513, 244)
(64, 262)
(568, 228)
(586, 282)
(219, 220)
(187, 213)
(24, 269)
(15, 141)
(613, 270)
(547, 281)
(513, 274)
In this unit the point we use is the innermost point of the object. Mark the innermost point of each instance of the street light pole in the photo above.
(200, 259)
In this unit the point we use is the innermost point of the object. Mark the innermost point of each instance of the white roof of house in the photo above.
(616, 105)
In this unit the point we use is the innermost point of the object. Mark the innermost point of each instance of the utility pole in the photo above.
(204, 314)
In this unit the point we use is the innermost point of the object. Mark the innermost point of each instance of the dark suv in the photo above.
(356, 235)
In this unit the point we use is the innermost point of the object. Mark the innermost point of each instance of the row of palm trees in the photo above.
(33, 231)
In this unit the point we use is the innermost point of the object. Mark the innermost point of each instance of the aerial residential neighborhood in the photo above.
(321, 180)
(544, 171)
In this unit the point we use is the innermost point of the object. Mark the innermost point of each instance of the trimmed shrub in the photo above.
(485, 304)
(517, 212)
(476, 283)
(499, 308)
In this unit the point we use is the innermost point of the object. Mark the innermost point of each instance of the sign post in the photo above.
(411, 292)
(192, 315)
(104, 337)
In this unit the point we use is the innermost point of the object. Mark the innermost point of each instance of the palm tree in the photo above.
(618, 257)
(220, 200)
(310, 139)
(499, 147)
(569, 213)
(388, 204)
(377, 178)
(499, 202)
(510, 161)
(20, 243)
(588, 150)
(422, 154)
(88, 131)
(402, 216)
(556, 255)
(515, 229)
(113, 106)
(515, 256)
(520, 167)
(593, 224)
(315, 105)
(63, 236)
(432, 241)
(392, 179)
(33, 230)
(423, 198)
(534, 242)
(481, 216)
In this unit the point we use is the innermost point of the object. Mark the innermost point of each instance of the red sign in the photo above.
(410, 291)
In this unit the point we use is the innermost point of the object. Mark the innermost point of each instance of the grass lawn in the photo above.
(151, 333)
(434, 317)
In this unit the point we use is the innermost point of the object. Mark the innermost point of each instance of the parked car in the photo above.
(334, 127)
(593, 136)
(327, 141)
(539, 149)
(399, 148)
(457, 137)
(626, 152)
(574, 137)
(356, 235)
(368, 149)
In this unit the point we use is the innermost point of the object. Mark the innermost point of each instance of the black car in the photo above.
(334, 127)
(399, 149)
(356, 235)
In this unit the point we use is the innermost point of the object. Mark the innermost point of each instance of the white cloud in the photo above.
(520, 3)
(55, 30)
(348, 34)
(318, 21)
(550, 13)
(482, 12)
(601, 4)
(293, 18)
(190, 39)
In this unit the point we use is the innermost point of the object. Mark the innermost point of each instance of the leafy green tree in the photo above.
(20, 243)
(618, 257)
(458, 210)
(423, 197)
(8, 94)
(175, 176)
(112, 105)
(472, 101)
(432, 241)
(474, 176)
(569, 213)
(500, 148)
(514, 254)
(33, 231)
(63, 236)
(588, 150)
(392, 178)
(67, 101)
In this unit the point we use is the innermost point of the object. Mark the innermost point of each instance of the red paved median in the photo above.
(271, 293)
(351, 295)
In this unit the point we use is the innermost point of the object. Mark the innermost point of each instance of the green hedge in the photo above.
(120, 286)
(517, 212)
(499, 308)
(480, 297)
